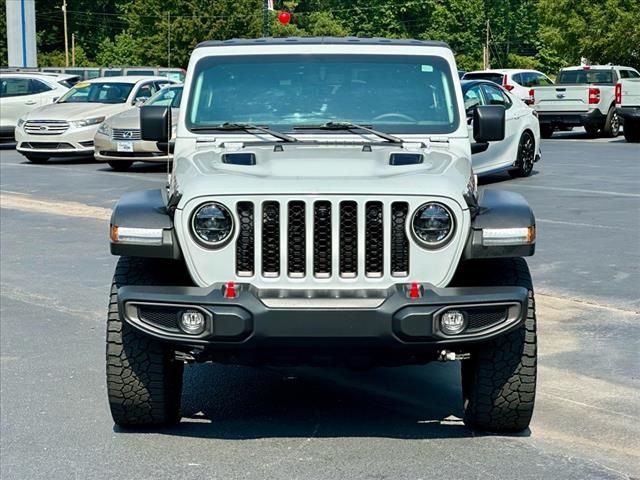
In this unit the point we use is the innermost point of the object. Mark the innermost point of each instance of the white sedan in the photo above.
(520, 148)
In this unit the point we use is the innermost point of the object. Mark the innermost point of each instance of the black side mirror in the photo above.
(155, 123)
(488, 123)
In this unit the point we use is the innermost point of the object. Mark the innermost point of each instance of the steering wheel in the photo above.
(395, 115)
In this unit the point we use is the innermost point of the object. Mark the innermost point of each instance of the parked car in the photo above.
(118, 141)
(67, 127)
(628, 107)
(517, 82)
(520, 148)
(291, 235)
(582, 96)
(21, 93)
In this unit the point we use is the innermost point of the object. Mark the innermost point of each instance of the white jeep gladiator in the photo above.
(322, 210)
(628, 107)
(582, 96)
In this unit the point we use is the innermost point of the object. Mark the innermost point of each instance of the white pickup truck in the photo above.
(582, 96)
(628, 107)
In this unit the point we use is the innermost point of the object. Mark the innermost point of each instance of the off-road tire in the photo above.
(144, 380)
(499, 380)
(120, 165)
(592, 130)
(611, 127)
(526, 156)
(546, 131)
(631, 131)
(36, 158)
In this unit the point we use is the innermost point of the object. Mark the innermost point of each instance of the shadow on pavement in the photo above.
(236, 403)
(501, 177)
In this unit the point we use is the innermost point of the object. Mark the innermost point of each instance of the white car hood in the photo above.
(331, 169)
(76, 111)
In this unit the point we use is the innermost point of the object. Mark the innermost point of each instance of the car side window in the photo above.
(473, 97)
(15, 87)
(518, 79)
(633, 74)
(495, 96)
(540, 80)
(145, 91)
(39, 87)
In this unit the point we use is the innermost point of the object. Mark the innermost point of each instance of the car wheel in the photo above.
(592, 130)
(546, 131)
(144, 378)
(612, 124)
(36, 158)
(499, 380)
(526, 156)
(631, 131)
(121, 166)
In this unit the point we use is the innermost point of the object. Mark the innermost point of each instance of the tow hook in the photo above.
(449, 356)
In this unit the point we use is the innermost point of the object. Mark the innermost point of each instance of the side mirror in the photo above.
(489, 123)
(155, 123)
(139, 101)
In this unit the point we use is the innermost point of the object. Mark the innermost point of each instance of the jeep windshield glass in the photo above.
(107, 92)
(388, 93)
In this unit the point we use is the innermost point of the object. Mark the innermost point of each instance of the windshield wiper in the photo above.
(350, 127)
(245, 127)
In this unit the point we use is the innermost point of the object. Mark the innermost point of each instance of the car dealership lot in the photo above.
(310, 423)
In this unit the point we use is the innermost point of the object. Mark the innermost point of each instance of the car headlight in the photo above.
(87, 122)
(105, 129)
(432, 225)
(212, 224)
(21, 122)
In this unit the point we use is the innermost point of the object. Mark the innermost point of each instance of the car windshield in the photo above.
(568, 77)
(97, 92)
(403, 94)
(170, 96)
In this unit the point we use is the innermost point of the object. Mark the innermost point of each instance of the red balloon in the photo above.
(284, 18)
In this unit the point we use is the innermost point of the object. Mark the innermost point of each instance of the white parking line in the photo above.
(23, 203)
(579, 190)
(578, 224)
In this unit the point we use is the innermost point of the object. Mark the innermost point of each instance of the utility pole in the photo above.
(66, 39)
(73, 49)
(168, 39)
(486, 60)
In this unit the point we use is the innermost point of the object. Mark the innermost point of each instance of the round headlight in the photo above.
(432, 225)
(212, 224)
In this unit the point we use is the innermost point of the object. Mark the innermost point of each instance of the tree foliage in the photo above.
(543, 34)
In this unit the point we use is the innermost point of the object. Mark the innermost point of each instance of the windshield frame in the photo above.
(444, 66)
(75, 88)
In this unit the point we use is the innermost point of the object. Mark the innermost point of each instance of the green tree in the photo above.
(123, 50)
(56, 58)
(4, 53)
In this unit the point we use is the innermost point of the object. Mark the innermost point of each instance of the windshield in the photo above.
(97, 92)
(568, 77)
(170, 96)
(491, 76)
(408, 94)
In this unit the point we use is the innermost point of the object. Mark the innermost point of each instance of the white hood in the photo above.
(76, 111)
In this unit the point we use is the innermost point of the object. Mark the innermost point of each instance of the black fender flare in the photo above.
(499, 209)
(146, 209)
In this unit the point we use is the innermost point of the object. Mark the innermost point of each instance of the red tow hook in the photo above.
(415, 290)
(230, 290)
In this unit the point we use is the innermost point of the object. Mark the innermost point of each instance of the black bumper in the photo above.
(258, 319)
(574, 119)
(629, 113)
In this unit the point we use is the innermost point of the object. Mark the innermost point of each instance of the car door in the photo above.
(502, 153)
(18, 96)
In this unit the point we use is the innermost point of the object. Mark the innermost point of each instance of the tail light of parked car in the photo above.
(594, 96)
(618, 93)
(532, 97)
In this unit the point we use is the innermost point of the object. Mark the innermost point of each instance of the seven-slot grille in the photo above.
(126, 134)
(307, 235)
(46, 127)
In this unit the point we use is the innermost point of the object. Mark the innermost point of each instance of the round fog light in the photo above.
(192, 322)
(452, 322)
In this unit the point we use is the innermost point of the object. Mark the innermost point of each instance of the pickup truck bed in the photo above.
(628, 107)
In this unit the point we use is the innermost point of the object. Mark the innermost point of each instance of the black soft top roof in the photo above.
(320, 41)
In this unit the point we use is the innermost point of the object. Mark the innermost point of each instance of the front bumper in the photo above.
(73, 142)
(107, 150)
(573, 119)
(262, 319)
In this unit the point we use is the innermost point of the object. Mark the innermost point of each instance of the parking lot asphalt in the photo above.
(401, 423)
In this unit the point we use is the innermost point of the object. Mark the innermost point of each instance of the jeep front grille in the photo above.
(309, 234)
